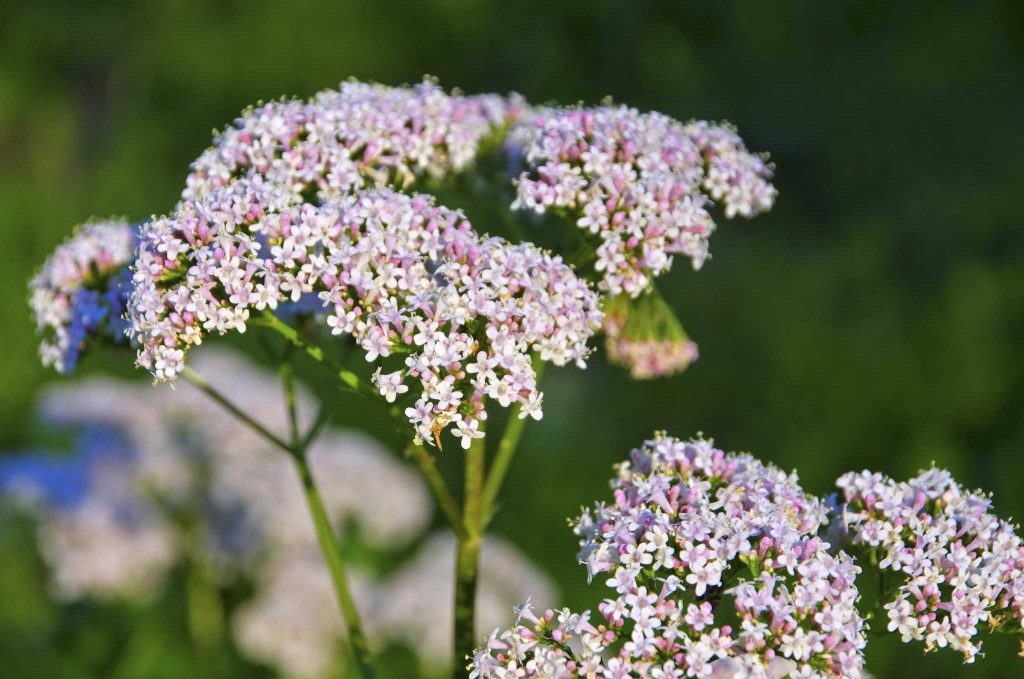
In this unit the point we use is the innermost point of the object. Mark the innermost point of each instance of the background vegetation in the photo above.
(874, 319)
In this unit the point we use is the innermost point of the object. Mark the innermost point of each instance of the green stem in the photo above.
(324, 532)
(424, 460)
(502, 460)
(347, 377)
(428, 467)
(204, 386)
(467, 557)
(288, 380)
(321, 521)
(332, 555)
(479, 501)
(205, 610)
(507, 447)
(322, 417)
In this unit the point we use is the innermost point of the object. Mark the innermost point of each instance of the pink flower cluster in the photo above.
(645, 336)
(959, 565)
(716, 570)
(639, 182)
(446, 314)
(359, 136)
(81, 291)
(653, 358)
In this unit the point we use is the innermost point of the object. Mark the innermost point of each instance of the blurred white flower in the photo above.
(414, 605)
(148, 456)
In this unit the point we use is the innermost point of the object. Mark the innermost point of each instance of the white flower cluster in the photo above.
(151, 458)
(109, 547)
(639, 182)
(359, 136)
(291, 625)
(959, 565)
(81, 291)
(157, 449)
(404, 277)
(415, 604)
(717, 571)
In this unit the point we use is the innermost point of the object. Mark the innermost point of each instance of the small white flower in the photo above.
(467, 431)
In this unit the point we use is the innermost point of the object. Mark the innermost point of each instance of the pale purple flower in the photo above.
(744, 536)
(959, 567)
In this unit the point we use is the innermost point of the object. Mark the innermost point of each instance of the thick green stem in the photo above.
(332, 555)
(507, 447)
(467, 557)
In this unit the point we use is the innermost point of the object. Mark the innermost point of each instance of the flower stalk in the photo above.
(445, 500)
(349, 379)
(507, 447)
(336, 565)
(321, 521)
(467, 556)
(481, 487)
(324, 530)
(200, 383)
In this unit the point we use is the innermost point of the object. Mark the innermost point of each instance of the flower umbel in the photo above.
(716, 570)
(454, 314)
(960, 566)
(640, 183)
(80, 293)
(356, 137)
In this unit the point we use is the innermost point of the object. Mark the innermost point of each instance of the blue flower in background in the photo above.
(63, 480)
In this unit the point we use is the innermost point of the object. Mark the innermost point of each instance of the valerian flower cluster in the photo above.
(958, 566)
(640, 183)
(716, 569)
(404, 277)
(357, 137)
(81, 290)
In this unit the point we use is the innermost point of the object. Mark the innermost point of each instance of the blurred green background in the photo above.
(874, 319)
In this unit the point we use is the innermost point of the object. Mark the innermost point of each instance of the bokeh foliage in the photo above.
(873, 319)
